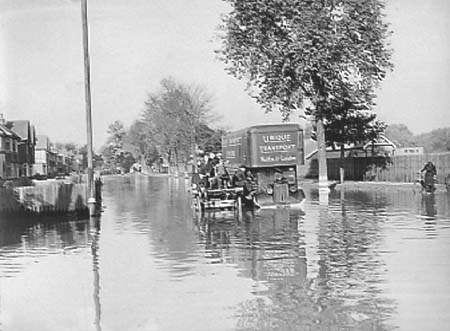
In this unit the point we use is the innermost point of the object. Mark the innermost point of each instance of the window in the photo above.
(9, 171)
(7, 144)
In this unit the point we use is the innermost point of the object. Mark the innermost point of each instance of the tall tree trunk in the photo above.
(194, 158)
(322, 154)
(169, 156)
(341, 165)
(175, 153)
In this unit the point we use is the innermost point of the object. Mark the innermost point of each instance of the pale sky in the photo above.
(136, 43)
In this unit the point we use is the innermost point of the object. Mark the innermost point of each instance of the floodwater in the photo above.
(374, 258)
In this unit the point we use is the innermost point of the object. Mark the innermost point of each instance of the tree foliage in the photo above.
(135, 139)
(400, 135)
(353, 127)
(435, 141)
(330, 54)
(114, 154)
(327, 52)
(176, 118)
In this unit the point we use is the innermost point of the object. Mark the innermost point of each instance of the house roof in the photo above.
(22, 128)
(6, 132)
(43, 142)
(33, 134)
(381, 141)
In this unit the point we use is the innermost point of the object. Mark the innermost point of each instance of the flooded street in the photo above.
(373, 259)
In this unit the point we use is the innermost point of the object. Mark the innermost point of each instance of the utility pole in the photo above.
(87, 91)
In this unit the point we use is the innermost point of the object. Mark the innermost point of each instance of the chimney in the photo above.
(2, 120)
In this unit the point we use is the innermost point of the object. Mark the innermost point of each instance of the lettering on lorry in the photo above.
(264, 145)
(276, 148)
(277, 158)
(277, 138)
(232, 141)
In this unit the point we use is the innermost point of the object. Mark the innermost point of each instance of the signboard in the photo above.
(265, 146)
(276, 148)
(409, 151)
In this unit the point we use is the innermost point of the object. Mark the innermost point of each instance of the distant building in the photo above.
(78, 163)
(42, 150)
(409, 151)
(381, 147)
(64, 163)
(356, 158)
(52, 163)
(26, 132)
(45, 158)
(9, 151)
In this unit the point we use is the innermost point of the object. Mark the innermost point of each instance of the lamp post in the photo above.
(87, 91)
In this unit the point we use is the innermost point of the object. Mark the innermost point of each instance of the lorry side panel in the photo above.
(264, 146)
(234, 148)
(280, 145)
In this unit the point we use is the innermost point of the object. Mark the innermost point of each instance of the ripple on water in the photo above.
(345, 266)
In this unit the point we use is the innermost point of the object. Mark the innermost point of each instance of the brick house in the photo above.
(9, 151)
(45, 158)
(26, 132)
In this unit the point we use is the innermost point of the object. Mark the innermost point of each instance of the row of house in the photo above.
(25, 154)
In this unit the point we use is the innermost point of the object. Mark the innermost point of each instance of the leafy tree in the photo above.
(71, 147)
(175, 118)
(210, 140)
(350, 125)
(97, 159)
(400, 135)
(114, 154)
(135, 140)
(294, 52)
(435, 141)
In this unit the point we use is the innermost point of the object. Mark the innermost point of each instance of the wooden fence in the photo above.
(402, 168)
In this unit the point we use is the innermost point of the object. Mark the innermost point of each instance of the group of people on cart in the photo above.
(215, 174)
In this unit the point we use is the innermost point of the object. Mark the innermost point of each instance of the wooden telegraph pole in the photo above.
(87, 91)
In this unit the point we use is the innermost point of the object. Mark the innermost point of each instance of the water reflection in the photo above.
(429, 206)
(94, 236)
(21, 238)
(38, 256)
(270, 248)
(151, 263)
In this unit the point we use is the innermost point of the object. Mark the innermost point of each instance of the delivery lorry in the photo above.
(272, 153)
